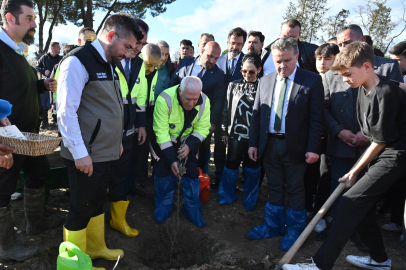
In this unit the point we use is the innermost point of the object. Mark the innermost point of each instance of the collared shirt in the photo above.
(269, 65)
(197, 67)
(275, 99)
(72, 79)
(235, 61)
(18, 48)
(123, 63)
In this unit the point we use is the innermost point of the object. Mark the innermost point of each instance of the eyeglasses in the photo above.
(128, 48)
(250, 72)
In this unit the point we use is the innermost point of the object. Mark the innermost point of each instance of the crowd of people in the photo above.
(305, 116)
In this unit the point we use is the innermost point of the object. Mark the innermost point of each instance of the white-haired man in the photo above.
(181, 123)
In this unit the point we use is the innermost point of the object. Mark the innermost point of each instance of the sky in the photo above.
(187, 19)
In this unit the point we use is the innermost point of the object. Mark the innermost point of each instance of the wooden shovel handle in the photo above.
(308, 230)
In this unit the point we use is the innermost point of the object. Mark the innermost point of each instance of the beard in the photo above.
(28, 38)
(234, 52)
(208, 65)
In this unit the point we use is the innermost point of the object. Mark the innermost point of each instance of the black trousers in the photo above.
(283, 175)
(236, 152)
(356, 210)
(324, 187)
(143, 152)
(87, 194)
(120, 170)
(36, 169)
(219, 153)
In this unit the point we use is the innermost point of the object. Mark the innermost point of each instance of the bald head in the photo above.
(189, 92)
(210, 54)
(151, 54)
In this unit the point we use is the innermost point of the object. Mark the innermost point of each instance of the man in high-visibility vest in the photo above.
(181, 123)
(134, 94)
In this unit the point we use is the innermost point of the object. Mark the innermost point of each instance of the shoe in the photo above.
(78, 238)
(300, 266)
(34, 207)
(366, 262)
(118, 220)
(136, 192)
(9, 248)
(164, 195)
(16, 196)
(96, 244)
(356, 239)
(192, 207)
(251, 187)
(227, 187)
(321, 226)
(295, 223)
(392, 227)
(214, 184)
(274, 223)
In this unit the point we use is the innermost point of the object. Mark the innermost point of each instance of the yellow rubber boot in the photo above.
(118, 221)
(96, 245)
(78, 238)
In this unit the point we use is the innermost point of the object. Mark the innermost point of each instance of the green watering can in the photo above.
(72, 258)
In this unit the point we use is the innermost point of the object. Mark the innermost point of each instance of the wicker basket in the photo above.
(35, 145)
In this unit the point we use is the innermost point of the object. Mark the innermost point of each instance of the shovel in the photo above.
(308, 230)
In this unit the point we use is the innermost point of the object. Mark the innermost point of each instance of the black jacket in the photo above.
(307, 60)
(47, 62)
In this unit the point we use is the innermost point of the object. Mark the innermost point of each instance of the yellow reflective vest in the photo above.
(169, 118)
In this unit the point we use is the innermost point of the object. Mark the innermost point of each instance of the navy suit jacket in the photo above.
(222, 63)
(304, 117)
(213, 86)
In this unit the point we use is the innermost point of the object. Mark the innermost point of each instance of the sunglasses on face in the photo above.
(250, 72)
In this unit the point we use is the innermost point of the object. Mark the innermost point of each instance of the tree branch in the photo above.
(105, 17)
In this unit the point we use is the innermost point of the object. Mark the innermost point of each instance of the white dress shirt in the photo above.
(275, 100)
(197, 67)
(269, 65)
(123, 64)
(72, 79)
(235, 61)
(18, 48)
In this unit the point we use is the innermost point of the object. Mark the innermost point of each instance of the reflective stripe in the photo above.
(154, 155)
(201, 109)
(168, 101)
(165, 145)
(173, 139)
(151, 103)
(133, 100)
(197, 135)
(142, 109)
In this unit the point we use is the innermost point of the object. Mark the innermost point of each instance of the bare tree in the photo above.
(375, 17)
(333, 23)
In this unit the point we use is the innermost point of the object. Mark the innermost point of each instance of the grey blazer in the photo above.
(304, 117)
(340, 106)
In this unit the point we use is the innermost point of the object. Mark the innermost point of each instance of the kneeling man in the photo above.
(181, 123)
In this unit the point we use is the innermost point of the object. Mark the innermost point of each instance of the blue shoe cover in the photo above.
(206, 163)
(274, 223)
(296, 223)
(251, 187)
(226, 192)
(192, 208)
(164, 194)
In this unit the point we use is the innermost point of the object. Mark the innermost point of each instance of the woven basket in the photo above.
(35, 145)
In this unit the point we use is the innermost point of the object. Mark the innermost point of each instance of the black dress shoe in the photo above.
(323, 234)
(214, 184)
(136, 192)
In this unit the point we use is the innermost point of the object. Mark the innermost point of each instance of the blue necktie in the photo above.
(127, 70)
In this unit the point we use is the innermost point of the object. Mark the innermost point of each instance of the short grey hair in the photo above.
(151, 50)
(191, 83)
(162, 43)
(284, 44)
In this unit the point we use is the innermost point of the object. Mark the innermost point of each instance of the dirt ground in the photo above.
(222, 244)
